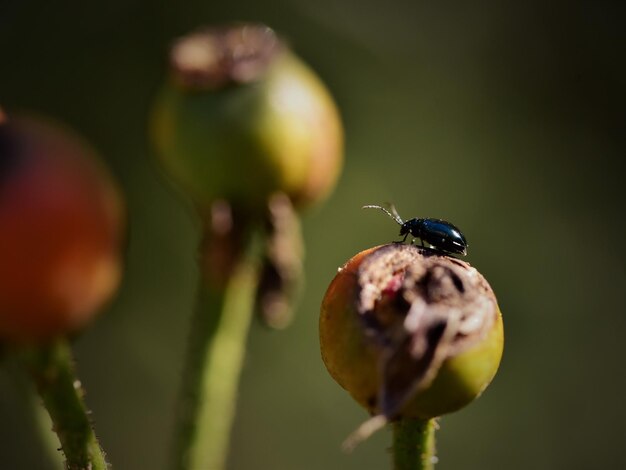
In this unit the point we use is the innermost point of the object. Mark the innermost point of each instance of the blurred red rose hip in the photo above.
(61, 219)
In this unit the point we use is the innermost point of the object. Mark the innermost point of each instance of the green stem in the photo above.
(52, 368)
(217, 348)
(414, 444)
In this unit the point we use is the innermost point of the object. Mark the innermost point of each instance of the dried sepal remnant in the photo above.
(223, 239)
(225, 231)
(419, 309)
(281, 274)
(215, 57)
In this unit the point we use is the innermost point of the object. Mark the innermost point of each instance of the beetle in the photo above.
(442, 236)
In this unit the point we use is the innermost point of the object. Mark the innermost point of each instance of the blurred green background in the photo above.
(506, 118)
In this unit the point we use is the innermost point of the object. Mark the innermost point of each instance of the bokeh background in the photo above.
(506, 118)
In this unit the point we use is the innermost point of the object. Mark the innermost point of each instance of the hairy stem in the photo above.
(217, 349)
(52, 368)
(414, 444)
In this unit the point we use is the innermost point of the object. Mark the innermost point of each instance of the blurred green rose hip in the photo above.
(241, 117)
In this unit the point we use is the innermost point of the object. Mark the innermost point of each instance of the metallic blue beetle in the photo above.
(442, 236)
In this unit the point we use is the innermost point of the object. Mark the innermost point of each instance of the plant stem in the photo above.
(217, 349)
(414, 444)
(52, 368)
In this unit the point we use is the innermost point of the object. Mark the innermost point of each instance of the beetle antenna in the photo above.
(393, 215)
